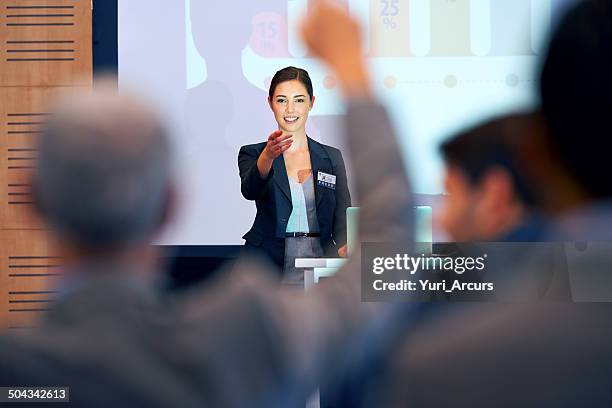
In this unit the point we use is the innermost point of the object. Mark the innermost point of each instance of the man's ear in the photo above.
(497, 190)
(168, 211)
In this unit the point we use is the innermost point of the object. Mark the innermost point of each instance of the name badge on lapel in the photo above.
(326, 180)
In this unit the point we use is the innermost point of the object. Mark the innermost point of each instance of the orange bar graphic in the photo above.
(389, 28)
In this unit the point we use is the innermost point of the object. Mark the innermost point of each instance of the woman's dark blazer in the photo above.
(273, 199)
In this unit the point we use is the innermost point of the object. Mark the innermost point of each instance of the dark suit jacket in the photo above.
(552, 353)
(272, 197)
(116, 342)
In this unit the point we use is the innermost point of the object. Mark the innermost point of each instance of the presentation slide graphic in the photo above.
(437, 65)
(467, 46)
(400, 28)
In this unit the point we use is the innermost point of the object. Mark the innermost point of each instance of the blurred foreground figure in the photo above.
(551, 354)
(489, 197)
(104, 185)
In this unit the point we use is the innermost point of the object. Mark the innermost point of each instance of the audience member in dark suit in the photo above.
(490, 199)
(555, 354)
(298, 184)
(104, 184)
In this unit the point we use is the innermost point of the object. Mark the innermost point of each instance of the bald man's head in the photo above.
(103, 174)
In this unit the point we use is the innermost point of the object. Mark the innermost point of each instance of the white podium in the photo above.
(315, 268)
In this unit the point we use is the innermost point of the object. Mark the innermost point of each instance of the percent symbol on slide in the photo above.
(389, 23)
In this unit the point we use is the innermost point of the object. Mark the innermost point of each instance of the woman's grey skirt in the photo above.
(299, 247)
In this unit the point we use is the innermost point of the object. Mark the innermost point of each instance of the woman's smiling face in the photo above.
(291, 105)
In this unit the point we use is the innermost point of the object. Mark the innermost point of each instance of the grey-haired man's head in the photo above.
(103, 175)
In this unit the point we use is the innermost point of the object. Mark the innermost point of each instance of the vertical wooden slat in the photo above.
(45, 51)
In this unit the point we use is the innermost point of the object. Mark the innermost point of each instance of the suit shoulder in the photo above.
(255, 147)
(334, 153)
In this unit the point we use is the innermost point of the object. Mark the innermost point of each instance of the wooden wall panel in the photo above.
(45, 42)
(45, 51)
(29, 276)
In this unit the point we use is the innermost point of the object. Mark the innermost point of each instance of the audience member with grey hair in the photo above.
(104, 185)
(104, 171)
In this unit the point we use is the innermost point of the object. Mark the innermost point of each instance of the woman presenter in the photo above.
(298, 184)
